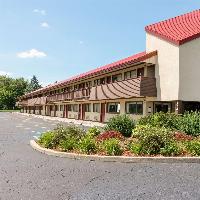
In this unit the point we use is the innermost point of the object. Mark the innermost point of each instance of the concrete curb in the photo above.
(121, 159)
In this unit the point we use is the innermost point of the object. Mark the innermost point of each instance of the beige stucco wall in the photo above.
(59, 114)
(147, 106)
(52, 113)
(88, 116)
(43, 110)
(72, 115)
(94, 116)
(167, 67)
(37, 112)
(190, 71)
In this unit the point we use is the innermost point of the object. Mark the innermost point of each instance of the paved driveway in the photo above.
(27, 174)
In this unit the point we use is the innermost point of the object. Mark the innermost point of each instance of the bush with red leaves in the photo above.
(109, 134)
(179, 136)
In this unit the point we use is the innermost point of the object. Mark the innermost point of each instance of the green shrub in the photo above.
(135, 148)
(190, 123)
(93, 131)
(121, 123)
(46, 140)
(112, 147)
(69, 144)
(65, 133)
(87, 145)
(171, 149)
(193, 147)
(160, 119)
(152, 139)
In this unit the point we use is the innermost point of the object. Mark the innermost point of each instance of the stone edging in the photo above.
(122, 159)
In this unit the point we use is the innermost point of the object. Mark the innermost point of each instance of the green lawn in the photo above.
(9, 110)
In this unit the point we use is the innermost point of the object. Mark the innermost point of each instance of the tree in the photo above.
(33, 85)
(10, 90)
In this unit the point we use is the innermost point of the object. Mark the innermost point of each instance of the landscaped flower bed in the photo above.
(156, 135)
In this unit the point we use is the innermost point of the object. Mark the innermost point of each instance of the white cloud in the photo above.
(81, 42)
(33, 53)
(44, 25)
(3, 73)
(42, 12)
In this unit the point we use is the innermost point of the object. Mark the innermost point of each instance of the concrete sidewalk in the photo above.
(66, 120)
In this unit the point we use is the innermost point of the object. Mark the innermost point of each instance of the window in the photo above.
(117, 77)
(102, 81)
(76, 87)
(140, 72)
(61, 107)
(81, 86)
(56, 108)
(113, 107)
(52, 108)
(95, 83)
(108, 79)
(88, 107)
(88, 84)
(134, 108)
(130, 74)
(75, 108)
(96, 107)
(69, 107)
(71, 88)
(162, 107)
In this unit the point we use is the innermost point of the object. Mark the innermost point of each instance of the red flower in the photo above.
(109, 134)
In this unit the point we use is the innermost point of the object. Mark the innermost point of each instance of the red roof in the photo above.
(106, 68)
(178, 30)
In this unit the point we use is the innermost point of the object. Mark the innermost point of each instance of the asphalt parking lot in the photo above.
(27, 174)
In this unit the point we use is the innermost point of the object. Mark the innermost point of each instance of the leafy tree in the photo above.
(33, 85)
(10, 90)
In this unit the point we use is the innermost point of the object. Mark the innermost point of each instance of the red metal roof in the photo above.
(178, 30)
(106, 68)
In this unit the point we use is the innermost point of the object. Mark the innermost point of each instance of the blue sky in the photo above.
(55, 39)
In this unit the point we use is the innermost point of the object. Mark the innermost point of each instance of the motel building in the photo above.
(165, 77)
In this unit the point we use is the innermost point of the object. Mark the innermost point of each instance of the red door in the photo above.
(79, 112)
(55, 110)
(83, 111)
(102, 116)
(66, 111)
